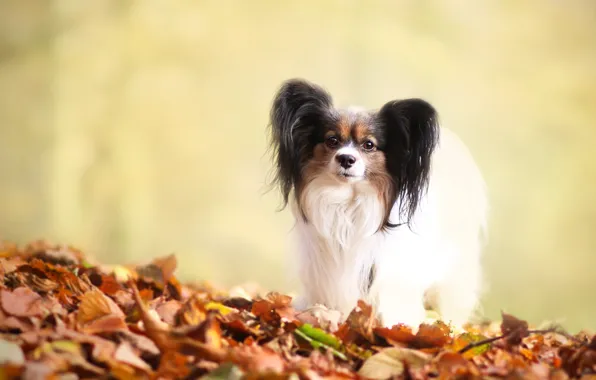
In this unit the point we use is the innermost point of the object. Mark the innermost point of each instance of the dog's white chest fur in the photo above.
(336, 244)
(340, 243)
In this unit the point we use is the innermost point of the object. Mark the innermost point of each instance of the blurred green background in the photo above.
(134, 129)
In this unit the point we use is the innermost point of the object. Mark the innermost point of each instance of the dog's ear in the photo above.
(411, 132)
(299, 109)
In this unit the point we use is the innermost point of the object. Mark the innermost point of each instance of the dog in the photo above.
(388, 206)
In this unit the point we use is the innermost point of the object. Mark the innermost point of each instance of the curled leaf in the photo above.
(94, 305)
(390, 362)
(320, 336)
(318, 344)
(513, 329)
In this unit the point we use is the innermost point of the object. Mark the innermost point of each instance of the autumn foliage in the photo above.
(62, 317)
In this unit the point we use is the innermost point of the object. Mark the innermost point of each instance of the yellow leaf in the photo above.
(223, 309)
(66, 346)
(122, 274)
(465, 339)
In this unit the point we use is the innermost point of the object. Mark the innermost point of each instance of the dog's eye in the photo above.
(332, 141)
(368, 145)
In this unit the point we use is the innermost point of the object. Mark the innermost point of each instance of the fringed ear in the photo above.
(412, 132)
(299, 109)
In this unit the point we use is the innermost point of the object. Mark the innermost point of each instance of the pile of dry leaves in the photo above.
(61, 317)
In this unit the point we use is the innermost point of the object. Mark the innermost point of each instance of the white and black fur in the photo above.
(385, 224)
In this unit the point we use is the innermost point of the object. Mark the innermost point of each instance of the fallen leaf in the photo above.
(320, 336)
(390, 362)
(63, 318)
(122, 274)
(11, 353)
(451, 365)
(106, 283)
(167, 265)
(67, 346)
(514, 329)
(361, 322)
(94, 305)
(257, 359)
(226, 371)
(167, 311)
(160, 270)
(318, 315)
(209, 332)
(125, 353)
(223, 309)
(192, 312)
(463, 340)
(173, 365)
(396, 335)
(428, 336)
(105, 324)
(21, 302)
(316, 344)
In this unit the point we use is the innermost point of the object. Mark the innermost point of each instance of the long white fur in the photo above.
(340, 243)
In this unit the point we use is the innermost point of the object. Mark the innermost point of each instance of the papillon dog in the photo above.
(389, 207)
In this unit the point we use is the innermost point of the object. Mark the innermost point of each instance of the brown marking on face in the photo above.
(316, 165)
(344, 129)
(356, 131)
(361, 132)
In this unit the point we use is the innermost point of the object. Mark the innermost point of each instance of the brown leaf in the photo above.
(9, 322)
(167, 265)
(435, 335)
(257, 359)
(192, 312)
(264, 310)
(105, 324)
(208, 332)
(360, 323)
(53, 253)
(160, 270)
(451, 365)
(173, 366)
(392, 362)
(167, 311)
(126, 354)
(396, 335)
(106, 283)
(237, 325)
(94, 305)
(21, 302)
(514, 329)
(278, 300)
(141, 342)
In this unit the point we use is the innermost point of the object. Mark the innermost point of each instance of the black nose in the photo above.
(346, 160)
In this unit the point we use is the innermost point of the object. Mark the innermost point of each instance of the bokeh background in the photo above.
(133, 129)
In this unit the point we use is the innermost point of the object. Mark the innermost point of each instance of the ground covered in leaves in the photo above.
(63, 317)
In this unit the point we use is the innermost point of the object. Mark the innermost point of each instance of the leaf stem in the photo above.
(493, 339)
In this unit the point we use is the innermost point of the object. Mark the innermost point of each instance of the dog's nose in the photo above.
(346, 160)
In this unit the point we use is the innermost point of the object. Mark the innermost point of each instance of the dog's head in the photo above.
(390, 148)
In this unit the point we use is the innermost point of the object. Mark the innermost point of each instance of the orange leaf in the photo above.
(435, 335)
(396, 334)
(94, 305)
